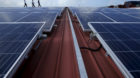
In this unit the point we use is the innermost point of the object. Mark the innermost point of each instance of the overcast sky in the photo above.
(44, 3)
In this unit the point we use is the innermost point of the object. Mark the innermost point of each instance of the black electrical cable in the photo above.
(91, 49)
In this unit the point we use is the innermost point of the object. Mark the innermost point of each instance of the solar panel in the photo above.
(55, 9)
(13, 9)
(84, 18)
(85, 10)
(122, 42)
(48, 10)
(19, 29)
(49, 18)
(136, 15)
(16, 40)
(129, 10)
(119, 17)
(109, 10)
(11, 17)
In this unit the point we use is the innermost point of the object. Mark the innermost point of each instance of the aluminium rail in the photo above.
(81, 66)
(116, 60)
(22, 56)
(85, 30)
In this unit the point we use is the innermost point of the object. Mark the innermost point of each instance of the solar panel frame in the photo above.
(82, 24)
(122, 17)
(45, 27)
(109, 51)
(20, 58)
(87, 30)
(134, 14)
(13, 19)
(52, 24)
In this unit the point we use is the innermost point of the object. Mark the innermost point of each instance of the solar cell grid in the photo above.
(119, 17)
(109, 10)
(15, 37)
(10, 9)
(19, 28)
(84, 18)
(137, 15)
(49, 18)
(129, 10)
(122, 43)
(11, 17)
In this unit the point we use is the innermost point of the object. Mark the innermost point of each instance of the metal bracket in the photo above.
(93, 36)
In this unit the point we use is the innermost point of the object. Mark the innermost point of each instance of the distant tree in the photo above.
(111, 6)
(120, 6)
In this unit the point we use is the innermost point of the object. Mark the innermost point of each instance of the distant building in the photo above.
(121, 6)
(132, 4)
(111, 6)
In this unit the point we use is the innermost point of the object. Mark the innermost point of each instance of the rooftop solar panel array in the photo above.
(104, 15)
(118, 30)
(49, 18)
(5, 9)
(11, 17)
(47, 15)
(123, 39)
(84, 9)
(119, 17)
(15, 40)
(128, 10)
(84, 18)
(19, 29)
(136, 15)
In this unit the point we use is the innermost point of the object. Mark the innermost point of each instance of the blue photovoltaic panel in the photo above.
(85, 10)
(38, 17)
(48, 10)
(136, 15)
(15, 40)
(119, 17)
(32, 10)
(88, 9)
(12, 9)
(129, 10)
(49, 18)
(55, 9)
(124, 40)
(84, 18)
(121, 10)
(110, 10)
(11, 17)
(47, 15)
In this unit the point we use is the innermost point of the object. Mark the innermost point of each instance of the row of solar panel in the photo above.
(118, 31)
(29, 17)
(84, 18)
(124, 40)
(18, 32)
(14, 40)
(42, 10)
(103, 10)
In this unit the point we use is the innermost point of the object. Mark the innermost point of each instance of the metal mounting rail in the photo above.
(81, 66)
(116, 60)
(22, 56)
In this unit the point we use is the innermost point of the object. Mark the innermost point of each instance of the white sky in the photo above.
(94, 3)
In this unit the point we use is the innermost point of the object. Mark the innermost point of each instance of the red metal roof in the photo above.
(56, 58)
